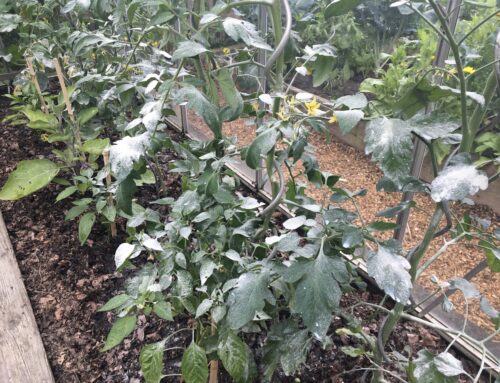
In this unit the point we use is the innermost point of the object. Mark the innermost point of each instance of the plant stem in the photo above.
(476, 27)
(466, 134)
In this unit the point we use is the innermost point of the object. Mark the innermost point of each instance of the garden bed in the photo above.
(67, 283)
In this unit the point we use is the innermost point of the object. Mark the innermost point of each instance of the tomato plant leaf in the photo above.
(236, 357)
(340, 7)
(239, 29)
(390, 271)
(262, 144)
(389, 141)
(188, 49)
(458, 182)
(232, 98)
(425, 370)
(28, 177)
(247, 298)
(197, 101)
(115, 302)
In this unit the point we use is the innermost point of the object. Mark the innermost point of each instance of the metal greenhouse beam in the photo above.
(419, 151)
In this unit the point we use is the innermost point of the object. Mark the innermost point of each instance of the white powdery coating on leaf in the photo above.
(390, 271)
(458, 182)
(125, 152)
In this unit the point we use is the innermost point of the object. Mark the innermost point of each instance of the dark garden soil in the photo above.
(67, 283)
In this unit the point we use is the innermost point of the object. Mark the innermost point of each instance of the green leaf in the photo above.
(188, 49)
(115, 302)
(151, 360)
(322, 69)
(239, 29)
(122, 328)
(352, 237)
(9, 22)
(42, 121)
(286, 345)
(75, 211)
(163, 310)
(205, 109)
(262, 144)
(124, 193)
(340, 7)
(318, 293)
(389, 141)
(86, 115)
(381, 226)
(348, 119)
(194, 365)
(247, 298)
(29, 176)
(395, 210)
(236, 357)
(95, 146)
(433, 126)
(66, 193)
(85, 227)
(356, 101)
(390, 271)
(232, 98)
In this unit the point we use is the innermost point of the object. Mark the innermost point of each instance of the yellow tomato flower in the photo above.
(312, 107)
(282, 116)
(309, 72)
(155, 44)
(291, 102)
(93, 56)
(226, 51)
(44, 137)
(255, 106)
(333, 119)
(469, 70)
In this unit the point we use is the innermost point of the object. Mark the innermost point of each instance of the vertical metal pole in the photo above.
(183, 110)
(263, 26)
(419, 150)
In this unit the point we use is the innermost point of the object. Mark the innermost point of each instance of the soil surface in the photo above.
(67, 283)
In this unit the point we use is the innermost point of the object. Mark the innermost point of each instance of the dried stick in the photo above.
(214, 364)
(34, 80)
(71, 113)
(105, 156)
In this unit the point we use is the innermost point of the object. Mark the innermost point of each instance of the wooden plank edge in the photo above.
(22, 353)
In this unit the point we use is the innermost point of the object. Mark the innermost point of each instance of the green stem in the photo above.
(466, 134)
(480, 111)
(485, 20)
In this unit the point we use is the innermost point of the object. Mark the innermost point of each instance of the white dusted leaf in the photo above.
(425, 370)
(266, 99)
(448, 365)
(125, 152)
(390, 271)
(152, 244)
(458, 182)
(243, 30)
(355, 101)
(188, 49)
(295, 222)
(9, 22)
(123, 253)
(389, 141)
(467, 288)
(348, 119)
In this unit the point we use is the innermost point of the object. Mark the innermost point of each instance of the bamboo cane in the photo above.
(105, 156)
(67, 101)
(214, 364)
(34, 80)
